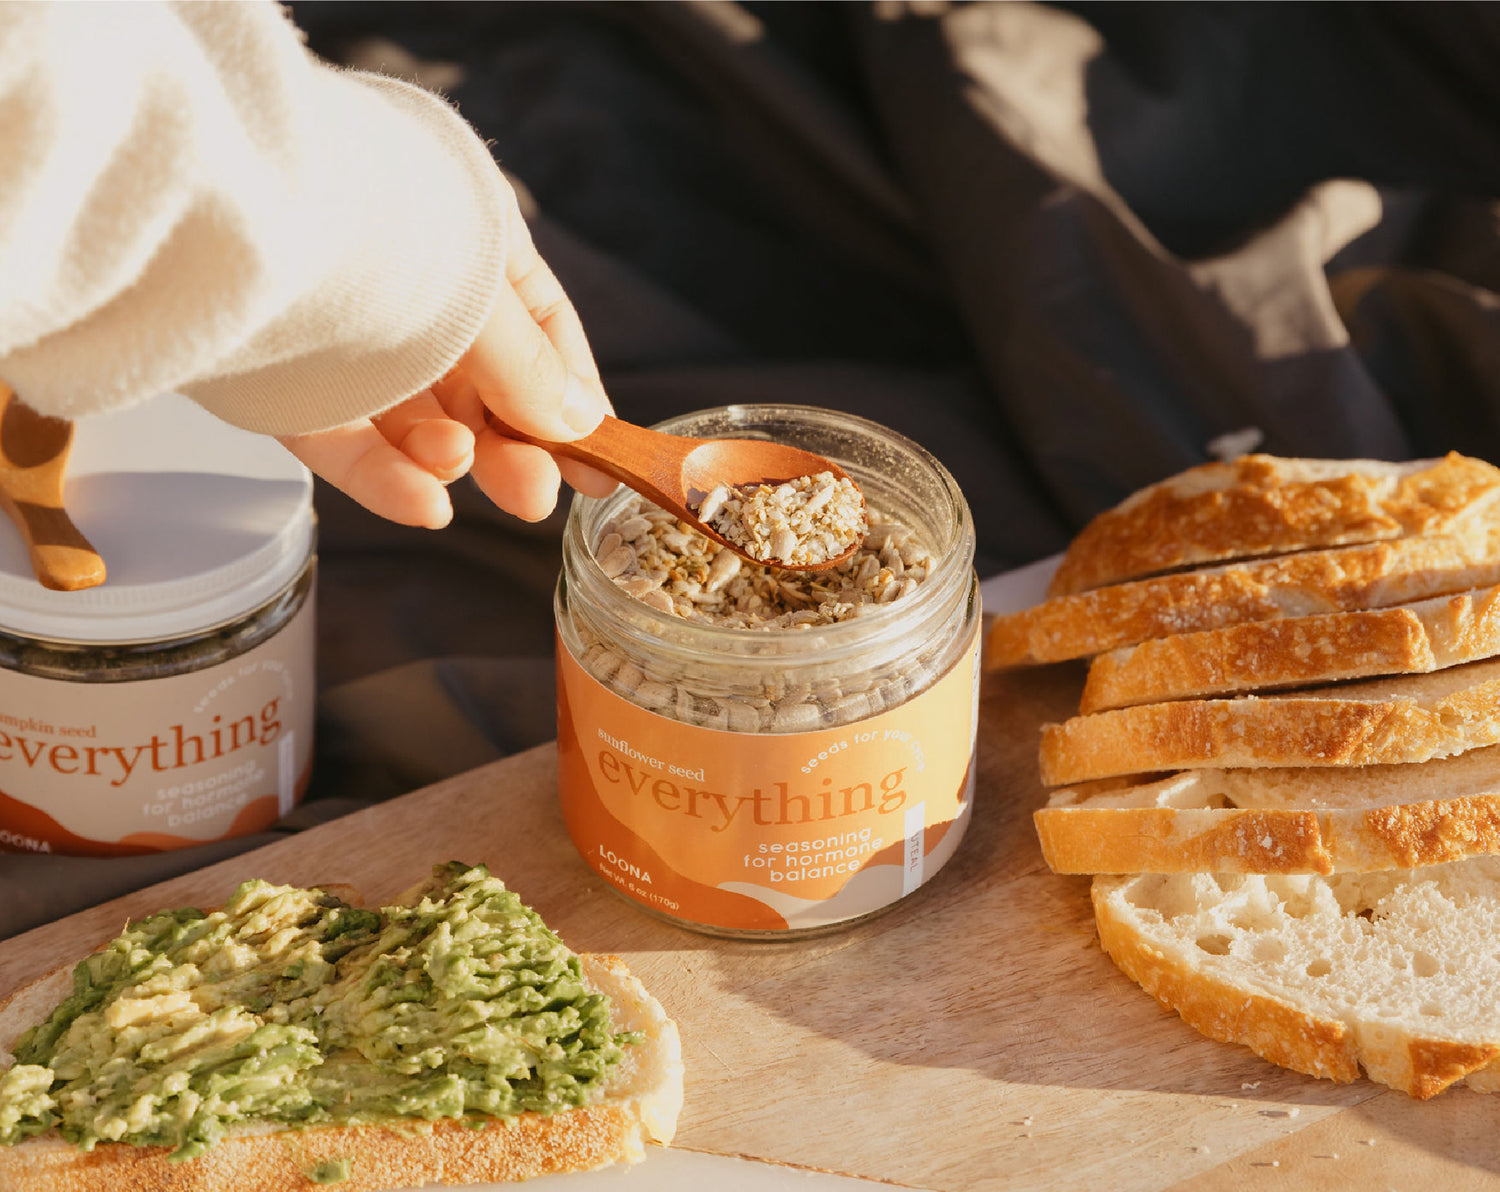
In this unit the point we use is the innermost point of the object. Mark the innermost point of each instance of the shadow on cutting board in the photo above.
(1004, 997)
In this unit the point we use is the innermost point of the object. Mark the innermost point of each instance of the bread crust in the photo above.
(451, 1153)
(1265, 655)
(1260, 656)
(1276, 1029)
(1174, 840)
(640, 1106)
(1315, 582)
(1126, 840)
(1311, 729)
(1263, 505)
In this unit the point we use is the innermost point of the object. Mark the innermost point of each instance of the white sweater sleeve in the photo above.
(189, 201)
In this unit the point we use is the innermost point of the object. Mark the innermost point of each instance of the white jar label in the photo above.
(153, 764)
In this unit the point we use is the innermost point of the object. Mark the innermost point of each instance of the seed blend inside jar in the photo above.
(665, 563)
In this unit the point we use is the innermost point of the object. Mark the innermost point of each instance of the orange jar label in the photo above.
(766, 831)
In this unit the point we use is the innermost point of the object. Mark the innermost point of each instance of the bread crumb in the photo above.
(1368, 1141)
(1234, 443)
(1202, 1150)
(1253, 1084)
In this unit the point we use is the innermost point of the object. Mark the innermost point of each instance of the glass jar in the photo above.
(768, 782)
(173, 704)
(159, 658)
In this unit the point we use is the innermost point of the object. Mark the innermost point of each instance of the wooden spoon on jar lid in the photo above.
(33, 459)
(679, 474)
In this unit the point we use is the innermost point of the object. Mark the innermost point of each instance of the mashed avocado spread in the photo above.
(289, 1006)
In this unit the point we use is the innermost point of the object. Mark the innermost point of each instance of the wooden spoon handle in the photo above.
(647, 460)
(33, 460)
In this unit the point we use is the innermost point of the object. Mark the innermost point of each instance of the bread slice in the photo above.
(1356, 577)
(639, 1105)
(1300, 820)
(1263, 505)
(1408, 718)
(1393, 973)
(1299, 651)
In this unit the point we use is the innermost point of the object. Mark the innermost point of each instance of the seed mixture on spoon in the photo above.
(798, 523)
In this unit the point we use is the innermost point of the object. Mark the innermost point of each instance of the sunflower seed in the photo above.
(796, 718)
(617, 561)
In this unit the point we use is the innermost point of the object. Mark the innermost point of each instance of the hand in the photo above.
(531, 364)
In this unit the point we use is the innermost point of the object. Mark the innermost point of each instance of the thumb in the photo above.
(519, 374)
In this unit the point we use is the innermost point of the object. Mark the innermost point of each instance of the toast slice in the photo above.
(1379, 575)
(1299, 820)
(1264, 505)
(1299, 652)
(1408, 718)
(638, 1102)
(1393, 973)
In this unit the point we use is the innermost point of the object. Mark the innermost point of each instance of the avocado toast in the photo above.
(289, 1039)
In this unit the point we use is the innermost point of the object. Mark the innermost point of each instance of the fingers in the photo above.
(518, 477)
(359, 461)
(585, 479)
(459, 398)
(531, 362)
(543, 295)
(421, 429)
(519, 374)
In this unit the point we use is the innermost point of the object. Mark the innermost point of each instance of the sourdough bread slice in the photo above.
(1264, 505)
(1299, 651)
(1408, 718)
(640, 1104)
(1394, 973)
(1300, 820)
(1314, 582)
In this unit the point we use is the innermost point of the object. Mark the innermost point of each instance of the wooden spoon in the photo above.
(33, 458)
(677, 472)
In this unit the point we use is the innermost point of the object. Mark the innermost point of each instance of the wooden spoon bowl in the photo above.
(677, 472)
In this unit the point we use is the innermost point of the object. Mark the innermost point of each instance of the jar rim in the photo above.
(881, 626)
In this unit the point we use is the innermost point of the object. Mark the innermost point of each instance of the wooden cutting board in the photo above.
(973, 1038)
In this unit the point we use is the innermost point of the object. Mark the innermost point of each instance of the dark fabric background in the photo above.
(1061, 246)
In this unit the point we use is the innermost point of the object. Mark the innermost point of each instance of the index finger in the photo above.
(531, 363)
